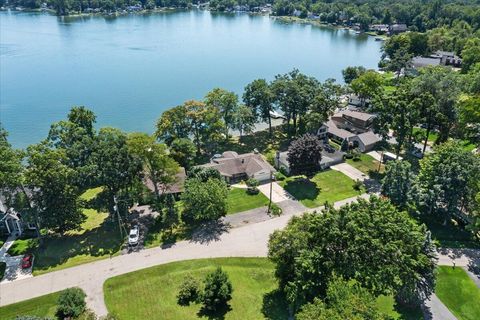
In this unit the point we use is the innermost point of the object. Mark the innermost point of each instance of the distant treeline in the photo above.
(418, 15)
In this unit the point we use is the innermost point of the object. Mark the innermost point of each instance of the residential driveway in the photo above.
(278, 193)
(434, 309)
(375, 155)
(250, 240)
(349, 171)
(14, 271)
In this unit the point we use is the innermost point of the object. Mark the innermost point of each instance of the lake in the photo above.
(131, 68)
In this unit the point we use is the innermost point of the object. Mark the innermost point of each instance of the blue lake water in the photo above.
(131, 68)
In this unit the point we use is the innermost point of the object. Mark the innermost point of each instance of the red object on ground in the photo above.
(27, 261)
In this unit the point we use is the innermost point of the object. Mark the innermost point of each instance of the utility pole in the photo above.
(271, 185)
(120, 225)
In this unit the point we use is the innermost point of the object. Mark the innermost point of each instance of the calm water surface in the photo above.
(130, 69)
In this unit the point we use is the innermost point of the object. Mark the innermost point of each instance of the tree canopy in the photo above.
(371, 242)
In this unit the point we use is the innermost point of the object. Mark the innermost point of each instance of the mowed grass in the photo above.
(458, 292)
(388, 306)
(239, 200)
(326, 186)
(367, 164)
(98, 238)
(43, 306)
(151, 293)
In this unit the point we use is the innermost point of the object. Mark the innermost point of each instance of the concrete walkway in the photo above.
(350, 171)
(278, 193)
(13, 269)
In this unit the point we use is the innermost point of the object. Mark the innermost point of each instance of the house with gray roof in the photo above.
(351, 127)
(236, 167)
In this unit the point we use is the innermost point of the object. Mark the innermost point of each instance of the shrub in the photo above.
(71, 303)
(348, 156)
(357, 185)
(31, 318)
(252, 190)
(275, 210)
(252, 183)
(279, 176)
(218, 290)
(189, 291)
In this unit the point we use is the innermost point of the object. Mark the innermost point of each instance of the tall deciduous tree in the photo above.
(204, 200)
(243, 120)
(397, 182)
(54, 193)
(443, 85)
(367, 85)
(344, 300)
(448, 181)
(352, 73)
(116, 168)
(183, 150)
(400, 112)
(10, 167)
(76, 136)
(158, 167)
(192, 119)
(227, 104)
(304, 154)
(294, 93)
(326, 100)
(371, 242)
(258, 96)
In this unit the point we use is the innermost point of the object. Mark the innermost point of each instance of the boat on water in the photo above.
(379, 39)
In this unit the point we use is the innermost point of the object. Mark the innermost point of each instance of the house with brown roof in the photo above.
(236, 167)
(351, 127)
(175, 188)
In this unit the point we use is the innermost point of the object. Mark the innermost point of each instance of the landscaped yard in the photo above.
(367, 164)
(458, 292)
(239, 200)
(98, 238)
(44, 306)
(151, 293)
(387, 305)
(449, 235)
(328, 185)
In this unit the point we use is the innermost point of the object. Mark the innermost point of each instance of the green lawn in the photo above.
(328, 185)
(388, 306)
(3, 266)
(151, 293)
(449, 235)
(367, 164)
(44, 306)
(432, 136)
(98, 238)
(458, 292)
(239, 200)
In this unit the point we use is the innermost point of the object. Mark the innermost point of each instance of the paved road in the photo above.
(247, 241)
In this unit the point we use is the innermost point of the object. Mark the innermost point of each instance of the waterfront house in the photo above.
(397, 28)
(234, 167)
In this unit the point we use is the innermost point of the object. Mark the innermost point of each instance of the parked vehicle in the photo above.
(27, 261)
(133, 236)
(417, 153)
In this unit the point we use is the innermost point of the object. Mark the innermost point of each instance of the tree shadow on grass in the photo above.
(302, 188)
(209, 231)
(218, 314)
(275, 306)
(55, 250)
